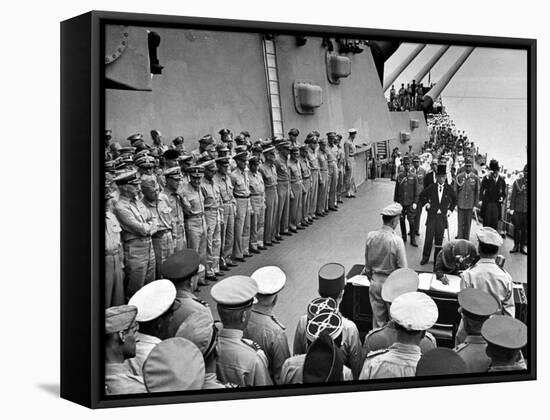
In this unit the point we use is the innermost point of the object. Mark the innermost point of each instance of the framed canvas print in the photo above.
(255, 209)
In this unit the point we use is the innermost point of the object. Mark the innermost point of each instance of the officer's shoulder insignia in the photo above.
(252, 344)
(374, 331)
(460, 347)
(375, 353)
(202, 302)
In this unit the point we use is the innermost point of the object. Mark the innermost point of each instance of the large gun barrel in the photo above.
(431, 62)
(402, 66)
(430, 97)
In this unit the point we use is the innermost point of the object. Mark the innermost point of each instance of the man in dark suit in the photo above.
(491, 194)
(440, 201)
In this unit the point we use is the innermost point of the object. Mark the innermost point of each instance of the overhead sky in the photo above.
(487, 96)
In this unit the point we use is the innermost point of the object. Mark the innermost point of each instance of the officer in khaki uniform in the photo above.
(332, 281)
(181, 269)
(114, 254)
(269, 175)
(413, 313)
(193, 207)
(306, 182)
(296, 190)
(420, 175)
(402, 280)
(406, 193)
(467, 196)
(505, 337)
(138, 225)
(322, 197)
(159, 206)
(349, 156)
(283, 189)
(241, 192)
(173, 179)
(518, 211)
(332, 173)
(212, 211)
(257, 203)
(476, 306)
(120, 344)
(222, 179)
(311, 141)
(241, 361)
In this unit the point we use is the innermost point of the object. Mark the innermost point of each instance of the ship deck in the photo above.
(340, 237)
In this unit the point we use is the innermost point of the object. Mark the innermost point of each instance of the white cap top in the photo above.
(153, 299)
(270, 279)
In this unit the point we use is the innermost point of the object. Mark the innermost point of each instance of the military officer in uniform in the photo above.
(212, 208)
(293, 134)
(296, 190)
(159, 206)
(402, 280)
(505, 337)
(120, 344)
(114, 254)
(455, 257)
(193, 207)
(283, 190)
(138, 225)
(269, 175)
(136, 140)
(406, 193)
(384, 253)
(492, 193)
(341, 163)
(154, 302)
(441, 361)
(325, 324)
(257, 203)
(241, 192)
(487, 275)
(181, 269)
(518, 210)
(349, 153)
(311, 141)
(263, 327)
(203, 143)
(322, 196)
(476, 306)
(413, 313)
(332, 281)
(241, 361)
(173, 179)
(177, 144)
(158, 146)
(467, 196)
(107, 145)
(306, 182)
(332, 173)
(420, 173)
(222, 179)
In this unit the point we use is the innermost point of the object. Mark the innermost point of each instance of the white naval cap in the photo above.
(414, 311)
(489, 236)
(393, 209)
(270, 279)
(153, 299)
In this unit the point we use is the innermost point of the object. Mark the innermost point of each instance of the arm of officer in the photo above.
(299, 346)
(508, 304)
(280, 352)
(131, 223)
(400, 253)
(355, 356)
(260, 373)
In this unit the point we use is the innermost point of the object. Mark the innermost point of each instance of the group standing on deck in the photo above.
(175, 219)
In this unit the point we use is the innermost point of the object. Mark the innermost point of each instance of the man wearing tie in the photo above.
(440, 201)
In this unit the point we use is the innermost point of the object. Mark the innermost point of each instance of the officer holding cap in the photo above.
(332, 281)
(120, 344)
(138, 225)
(154, 302)
(181, 269)
(476, 306)
(222, 179)
(175, 364)
(327, 324)
(402, 280)
(413, 313)
(487, 275)
(384, 253)
(241, 361)
(263, 327)
(505, 337)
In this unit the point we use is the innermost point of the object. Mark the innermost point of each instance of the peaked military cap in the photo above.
(210, 165)
(253, 160)
(441, 361)
(270, 279)
(489, 236)
(293, 132)
(331, 134)
(416, 159)
(119, 318)
(406, 160)
(414, 311)
(323, 141)
(269, 149)
(153, 299)
(400, 281)
(241, 152)
(224, 160)
(477, 302)
(393, 209)
(181, 265)
(324, 361)
(321, 305)
(174, 172)
(156, 132)
(195, 171)
(184, 157)
(244, 133)
(332, 279)
(505, 331)
(352, 131)
(110, 165)
(326, 323)
(141, 153)
(224, 131)
(127, 177)
(145, 162)
(222, 147)
(135, 137)
(235, 292)
(127, 150)
(175, 364)
(178, 140)
(171, 154)
(199, 328)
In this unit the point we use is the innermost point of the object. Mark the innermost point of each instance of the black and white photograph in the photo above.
(293, 208)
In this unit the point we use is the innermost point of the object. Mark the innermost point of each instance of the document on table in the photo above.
(453, 286)
(359, 280)
(425, 280)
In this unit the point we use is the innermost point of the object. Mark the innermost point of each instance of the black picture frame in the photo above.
(82, 128)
